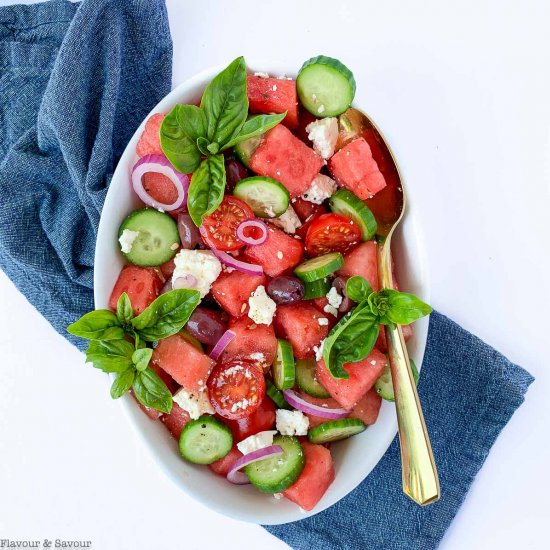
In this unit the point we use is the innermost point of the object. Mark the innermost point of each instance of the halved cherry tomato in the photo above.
(262, 419)
(220, 227)
(331, 233)
(236, 389)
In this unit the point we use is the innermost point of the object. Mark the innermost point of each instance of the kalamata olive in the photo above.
(340, 285)
(234, 172)
(189, 232)
(206, 325)
(285, 290)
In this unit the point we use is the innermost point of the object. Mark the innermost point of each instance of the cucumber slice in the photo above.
(384, 385)
(348, 204)
(276, 474)
(283, 367)
(245, 149)
(158, 238)
(325, 86)
(335, 430)
(316, 289)
(317, 268)
(205, 440)
(267, 197)
(306, 379)
(275, 395)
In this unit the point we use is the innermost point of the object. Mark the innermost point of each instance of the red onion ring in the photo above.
(161, 165)
(239, 478)
(221, 344)
(298, 402)
(257, 224)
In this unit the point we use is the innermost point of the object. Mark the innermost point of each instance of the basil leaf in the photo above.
(358, 288)
(166, 315)
(100, 324)
(151, 391)
(404, 308)
(202, 144)
(141, 358)
(206, 188)
(110, 356)
(255, 126)
(351, 340)
(122, 383)
(124, 311)
(225, 103)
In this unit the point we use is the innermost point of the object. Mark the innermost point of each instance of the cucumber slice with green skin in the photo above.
(275, 395)
(335, 430)
(284, 371)
(245, 149)
(347, 204)
(306, 379)
(384, 385)
(316, 289)
(158, 238)
(325, 86)
(273, 475)
(205, 440)
(266, 197)
(317, 268)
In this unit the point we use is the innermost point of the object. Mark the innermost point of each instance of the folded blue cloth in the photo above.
(75, 83)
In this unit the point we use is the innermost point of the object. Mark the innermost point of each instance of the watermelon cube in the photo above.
(299, 324)
(232, 290)
(223, 465)
(363, 261)
(252, 342)
(354, 168)
(282, 156)
(278, 254)
(362, 376)
(315, 479)
(142, 284)
(273, 95)
(176, 420)
(149, 141)
(321, 402)
(368, 407)
(188, 366)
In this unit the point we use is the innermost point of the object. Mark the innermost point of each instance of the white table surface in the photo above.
(463, 92)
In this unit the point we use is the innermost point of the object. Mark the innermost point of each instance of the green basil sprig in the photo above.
(354, 336)
(192, 137)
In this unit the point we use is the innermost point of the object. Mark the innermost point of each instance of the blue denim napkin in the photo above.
(75, 82)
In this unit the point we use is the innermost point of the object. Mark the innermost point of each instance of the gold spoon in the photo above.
(419, 472)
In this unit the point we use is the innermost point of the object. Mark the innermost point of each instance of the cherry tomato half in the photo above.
(260, 420)
(220, 227)
(331, 233)
(236, 389)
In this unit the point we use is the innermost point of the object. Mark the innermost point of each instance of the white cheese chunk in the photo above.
(319, 350)
(320, 189)
(291, 422)
(288, 222)
(195, 403)
(261, 75)
(334, 299)
(323, 321)
(201, 264)
(324, 135)
(262, 307)
(256, 442)
(127, 239)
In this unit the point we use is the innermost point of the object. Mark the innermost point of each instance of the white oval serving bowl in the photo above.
(354, 458)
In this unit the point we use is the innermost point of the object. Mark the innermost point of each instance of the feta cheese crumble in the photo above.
(257, 356)
(277, 496)
(334, 302)
(320, 189)
(288, 222)
(196, 404)
(291, 422)
(256, 442)
(261, 75)
(127, 239)
(319, 350)
(201, 264)
(262, 307)
(323, 321)
(324, 134)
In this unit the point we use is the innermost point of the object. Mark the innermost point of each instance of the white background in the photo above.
(463, 94)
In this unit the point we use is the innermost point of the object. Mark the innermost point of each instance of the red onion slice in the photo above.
(221, 344)
(161, 165)
(301, 404)
(239, 478)
(256, 224)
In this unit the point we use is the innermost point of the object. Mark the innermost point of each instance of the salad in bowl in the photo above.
(247, 318)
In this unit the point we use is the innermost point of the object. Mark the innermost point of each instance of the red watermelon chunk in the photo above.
(363, 261)
(176, 420)
(149, 141)
(362, 376)
(354, 168)
(315, 479)
(282, 156)
(188, 366)
(223, 465)
(368, 407)
(252, 342)
(327, 403)
(299, 324)
(142, 284)
(273, 95)
(278, 254)
(232, 290)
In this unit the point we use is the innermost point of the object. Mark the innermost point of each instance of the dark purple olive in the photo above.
(285, 290)
(340, 285)
(189, 232)
(234, 172)
(206, 325)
